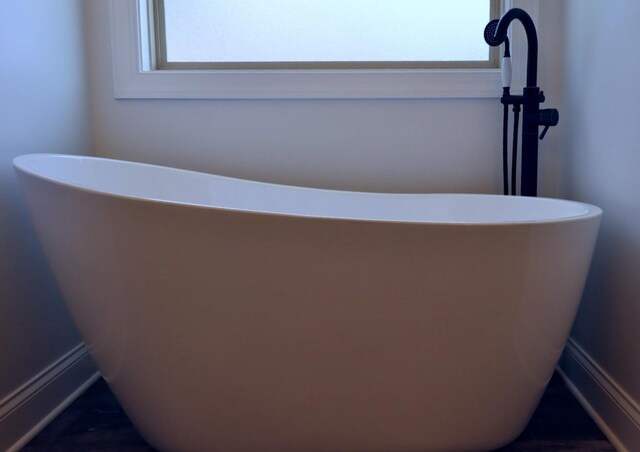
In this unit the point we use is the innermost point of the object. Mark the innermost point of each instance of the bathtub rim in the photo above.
(591, 210)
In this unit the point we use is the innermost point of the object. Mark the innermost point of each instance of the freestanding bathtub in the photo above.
(230, 315)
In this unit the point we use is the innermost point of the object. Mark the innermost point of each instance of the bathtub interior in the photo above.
(157, 183)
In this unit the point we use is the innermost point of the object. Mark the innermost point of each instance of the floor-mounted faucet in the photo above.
(531, 98)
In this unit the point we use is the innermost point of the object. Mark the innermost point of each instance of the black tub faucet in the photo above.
(532, 116)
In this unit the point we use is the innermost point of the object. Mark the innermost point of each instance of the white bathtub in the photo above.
(231, 315)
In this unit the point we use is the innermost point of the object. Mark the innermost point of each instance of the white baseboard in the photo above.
(30, 408)
(610, 406)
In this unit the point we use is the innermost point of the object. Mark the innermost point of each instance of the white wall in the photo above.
(602, 166)
(43, 108)
(376, 145)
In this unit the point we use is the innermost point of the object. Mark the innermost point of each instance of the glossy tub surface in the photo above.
(242, 316)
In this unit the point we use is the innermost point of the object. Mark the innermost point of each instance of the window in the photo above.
(168, 49)
(298, 34)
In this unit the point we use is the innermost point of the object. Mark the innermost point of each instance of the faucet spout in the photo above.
(532, 40)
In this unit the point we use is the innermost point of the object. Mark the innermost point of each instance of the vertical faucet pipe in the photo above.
(514, 150)
(505, 149)
(529, 167)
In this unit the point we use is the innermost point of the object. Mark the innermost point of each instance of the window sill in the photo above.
(133, 81)
(296, 84)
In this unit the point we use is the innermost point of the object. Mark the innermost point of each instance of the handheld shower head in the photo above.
(490, 38)
(490, 33)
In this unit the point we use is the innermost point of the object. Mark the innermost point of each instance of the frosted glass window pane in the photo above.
(325, 30)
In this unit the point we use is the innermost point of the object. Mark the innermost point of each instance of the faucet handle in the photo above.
(548, 117)
(544, 132)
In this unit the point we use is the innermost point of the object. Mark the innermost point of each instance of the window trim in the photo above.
(135, 78)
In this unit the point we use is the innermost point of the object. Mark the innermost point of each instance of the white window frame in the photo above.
(133, 77)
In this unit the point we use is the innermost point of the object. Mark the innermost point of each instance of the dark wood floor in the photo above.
(95, 422)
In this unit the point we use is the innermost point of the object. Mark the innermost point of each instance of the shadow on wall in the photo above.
(45, 108)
